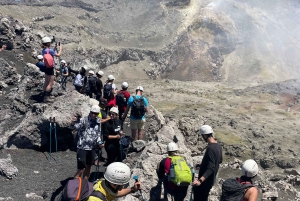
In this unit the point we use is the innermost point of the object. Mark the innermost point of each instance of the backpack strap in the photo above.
(98, 194)
(78, 196)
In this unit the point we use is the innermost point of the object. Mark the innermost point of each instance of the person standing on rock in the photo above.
(49, 71)
(109, 92)
(209, 166)
(89, 138)
(64, 74)
(91, 85)
(163, 173)
(99, 85)
(112, 186)
(80, 80)
(122, 98)
(139, 106)
(112, 134)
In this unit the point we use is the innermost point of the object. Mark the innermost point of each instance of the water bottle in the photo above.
(172, 172)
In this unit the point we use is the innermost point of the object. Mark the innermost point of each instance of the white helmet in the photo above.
(205, 130)
(91, 72)
(117, 173)
(95, 108)
(46, 40)
(124, 85)
(172, 146)
(114, 110)
(100, 73)
(110, 77)
(40, 57)
(249, 168)
(140, 88)
(63, 61)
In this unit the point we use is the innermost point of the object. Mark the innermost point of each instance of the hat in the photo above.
(114, 110)
(91, 72)
(110, 77)
(39, 57)
(140, 88)
(63, 61)
(100, 73)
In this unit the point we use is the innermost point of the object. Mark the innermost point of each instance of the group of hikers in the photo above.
(103, 128)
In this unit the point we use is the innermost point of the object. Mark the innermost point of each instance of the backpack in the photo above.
(79, 190)
(233, 190)
(48, 59)
(107, 91)
(91, 85)
(138, 107)
(183, 174)
(120, 99)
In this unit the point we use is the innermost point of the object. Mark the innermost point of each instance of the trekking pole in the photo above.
(50, 137)
(55, 137)
(192, 190)
(97, 166)
(136, 178)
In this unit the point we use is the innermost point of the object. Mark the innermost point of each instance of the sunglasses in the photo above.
(94, 113)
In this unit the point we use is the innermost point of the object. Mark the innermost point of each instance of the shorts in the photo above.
(137, 123)
(84, 158)
(49, 71)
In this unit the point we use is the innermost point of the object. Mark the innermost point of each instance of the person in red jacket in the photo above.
(121, 100)
(163, 170)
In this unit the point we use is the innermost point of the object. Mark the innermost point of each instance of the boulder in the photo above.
(7, 168)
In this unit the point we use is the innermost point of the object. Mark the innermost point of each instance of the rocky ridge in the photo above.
(245, 118)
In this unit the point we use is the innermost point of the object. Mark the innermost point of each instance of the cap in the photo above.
(63, 61)
(40, 57)
(91, 72)
(100, 73)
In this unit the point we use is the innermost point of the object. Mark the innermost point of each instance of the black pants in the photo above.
(201, 192)
(113, 152)
(121, 112)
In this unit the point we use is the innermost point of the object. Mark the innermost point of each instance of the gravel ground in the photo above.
(37, 175)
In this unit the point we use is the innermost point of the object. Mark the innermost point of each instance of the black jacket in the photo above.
(111, 127)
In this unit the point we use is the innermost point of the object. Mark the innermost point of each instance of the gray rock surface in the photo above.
(7, 168)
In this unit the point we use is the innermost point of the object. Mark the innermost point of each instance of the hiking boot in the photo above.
(48, 99)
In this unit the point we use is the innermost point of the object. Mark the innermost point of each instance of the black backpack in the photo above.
(107, 91)
(91, 85)
(138, 107)
(120, 99)
(233, 190)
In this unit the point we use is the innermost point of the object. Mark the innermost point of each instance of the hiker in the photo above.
(91, 84)
(112, 134)
(122, 98)
(80, 80)
(103, 115)
(64, 74)
(209, 166)
(99, 85)
(109, 91)
(112, 186)
(41, 64)
(249, 171)
(89, 138)
(50, 65)
(163, 173)
(139, 106)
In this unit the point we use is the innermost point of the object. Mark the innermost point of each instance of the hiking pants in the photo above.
(178, 195)
(201, 192)
(113, 152)
(64, 83)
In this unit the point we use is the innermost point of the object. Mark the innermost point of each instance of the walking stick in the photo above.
(136, 178)
(55, 137)
(50, 137)
(97, 166)
(192, 191)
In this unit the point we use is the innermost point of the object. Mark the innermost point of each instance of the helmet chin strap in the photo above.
(111, 188)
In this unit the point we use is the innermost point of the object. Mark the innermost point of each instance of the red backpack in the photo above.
(48, 59)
